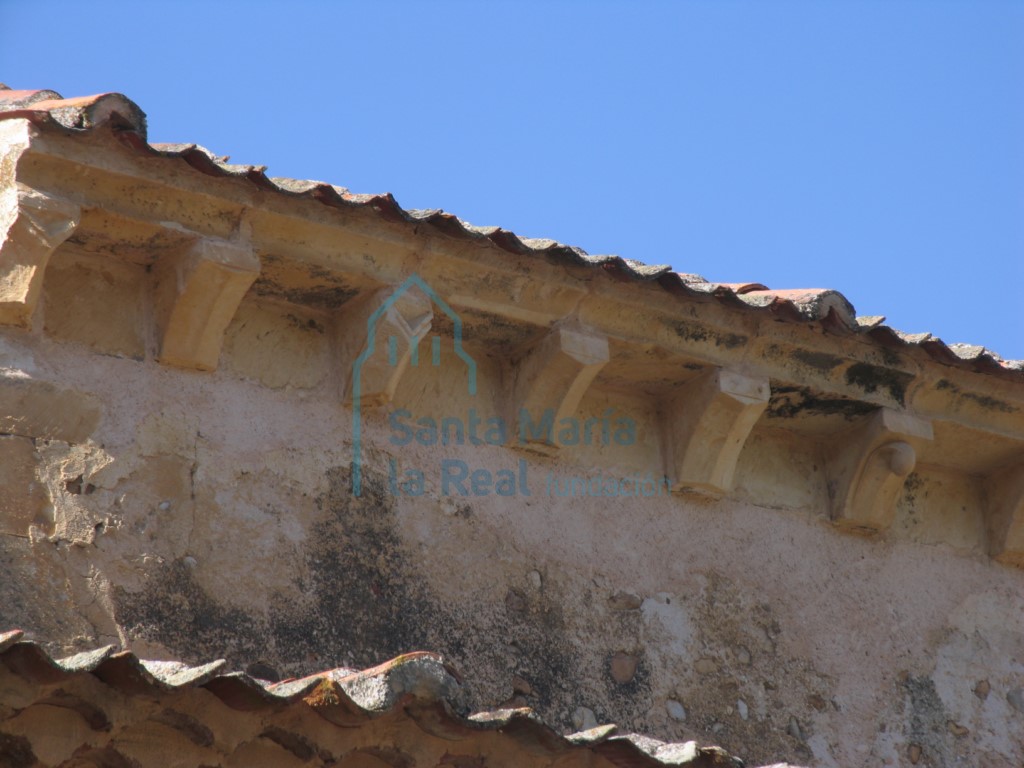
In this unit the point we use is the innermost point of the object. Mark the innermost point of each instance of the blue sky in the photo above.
(872, 147)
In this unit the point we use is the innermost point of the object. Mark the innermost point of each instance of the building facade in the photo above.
(299, 429)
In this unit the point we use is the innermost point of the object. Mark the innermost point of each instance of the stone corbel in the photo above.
(380, 340)
(707, 424)
(550, 381)
(1005, 515)
(37, 224)
(868, 466)
(198, 293)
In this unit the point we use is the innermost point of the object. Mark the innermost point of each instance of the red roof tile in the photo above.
(419, 685)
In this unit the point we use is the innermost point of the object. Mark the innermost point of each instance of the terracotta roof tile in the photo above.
(119, 114)
(420, 685)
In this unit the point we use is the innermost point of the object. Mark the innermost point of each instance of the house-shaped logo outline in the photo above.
(414, 280)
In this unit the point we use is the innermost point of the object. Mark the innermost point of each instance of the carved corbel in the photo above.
(550, 381)
(868, 466)
(198, 293)
(707, 423)
(381, 338)
(1005, 515)
(36, 224)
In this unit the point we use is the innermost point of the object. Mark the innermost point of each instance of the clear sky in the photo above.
(872, 147)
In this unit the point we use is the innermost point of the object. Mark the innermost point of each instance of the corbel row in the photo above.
(706, 422)
(197, 290)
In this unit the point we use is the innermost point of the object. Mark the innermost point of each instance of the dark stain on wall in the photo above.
(21, 564)
(176, 612)
(872, 378)
(787, 402)
(692, 332)
(985, 401)
(820, 361)
(364, 601)
(363, 593)
(926, 722)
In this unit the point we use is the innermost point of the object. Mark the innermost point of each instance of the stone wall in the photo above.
(820, 572)
(211, 515)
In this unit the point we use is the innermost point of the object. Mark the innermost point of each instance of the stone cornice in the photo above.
(717, 369)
